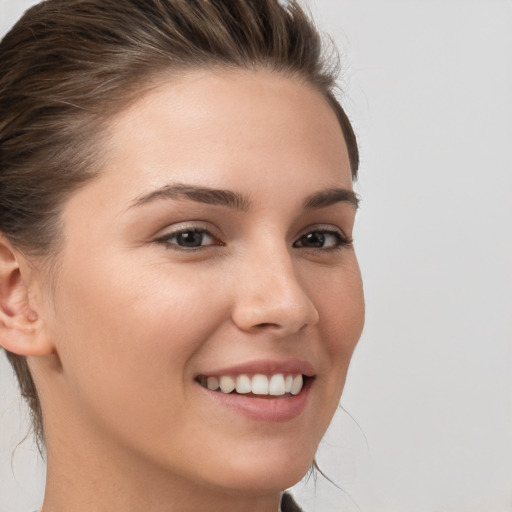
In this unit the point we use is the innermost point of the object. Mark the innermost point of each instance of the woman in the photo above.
(180, 297)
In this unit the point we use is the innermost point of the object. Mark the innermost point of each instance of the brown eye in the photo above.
(188, 239)
(315, 239)
(322, 239)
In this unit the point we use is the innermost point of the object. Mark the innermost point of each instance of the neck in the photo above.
(76, 493)
(87, 478)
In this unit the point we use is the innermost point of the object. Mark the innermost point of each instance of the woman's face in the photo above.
(213, 246)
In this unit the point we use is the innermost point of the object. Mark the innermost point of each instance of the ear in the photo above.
(21, 328)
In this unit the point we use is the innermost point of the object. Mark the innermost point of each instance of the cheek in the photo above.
(340, 302)
(344, 321)
(126, 335)
(125, 304)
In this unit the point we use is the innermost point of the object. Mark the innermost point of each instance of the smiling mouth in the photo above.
(258, 385)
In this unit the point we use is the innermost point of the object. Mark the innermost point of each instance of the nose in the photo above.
(270, 297)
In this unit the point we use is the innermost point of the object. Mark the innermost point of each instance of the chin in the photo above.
(265, 481)
(267, 471)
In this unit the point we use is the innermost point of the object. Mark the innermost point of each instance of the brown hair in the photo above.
(68, 66)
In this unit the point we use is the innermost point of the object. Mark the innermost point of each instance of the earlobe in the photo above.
(21, 330)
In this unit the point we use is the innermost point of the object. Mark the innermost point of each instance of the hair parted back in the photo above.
(68, 66)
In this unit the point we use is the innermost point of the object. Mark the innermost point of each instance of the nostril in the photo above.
(266, 324)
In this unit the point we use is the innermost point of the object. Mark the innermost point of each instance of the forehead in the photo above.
(229, 121)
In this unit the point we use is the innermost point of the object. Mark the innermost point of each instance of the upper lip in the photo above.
(266, 367)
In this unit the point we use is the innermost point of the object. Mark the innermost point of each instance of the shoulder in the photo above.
(288, 504)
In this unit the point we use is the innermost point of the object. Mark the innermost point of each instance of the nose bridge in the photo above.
(270, 295)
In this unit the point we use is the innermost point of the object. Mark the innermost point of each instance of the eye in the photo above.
(189, 238)
(323, 239)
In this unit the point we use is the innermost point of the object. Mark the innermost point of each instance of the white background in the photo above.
(428, 84)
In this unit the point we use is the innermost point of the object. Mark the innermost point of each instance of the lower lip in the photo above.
(266, 409)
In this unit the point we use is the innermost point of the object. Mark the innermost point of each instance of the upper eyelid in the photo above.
(328, 228)
(182, 227)
(341, 237)
(175, 232)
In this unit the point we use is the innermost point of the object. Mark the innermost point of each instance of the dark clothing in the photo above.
(288, 504)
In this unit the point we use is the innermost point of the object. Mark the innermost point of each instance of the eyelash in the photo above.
(166, 239)
(341, 240)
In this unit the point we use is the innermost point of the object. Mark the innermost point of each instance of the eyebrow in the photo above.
(331, 196)
(241, 202)
(228, 198)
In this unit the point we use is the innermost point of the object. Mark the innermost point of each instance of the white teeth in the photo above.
(288, 383)
(243, 384)
(260, 385)
(212, 383)
(276, 385)
(297, 385)
(227, 384)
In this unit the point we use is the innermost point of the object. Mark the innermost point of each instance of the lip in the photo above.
(267, 409)
(266, 367)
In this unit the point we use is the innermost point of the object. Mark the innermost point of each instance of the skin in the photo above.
(132, 319)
